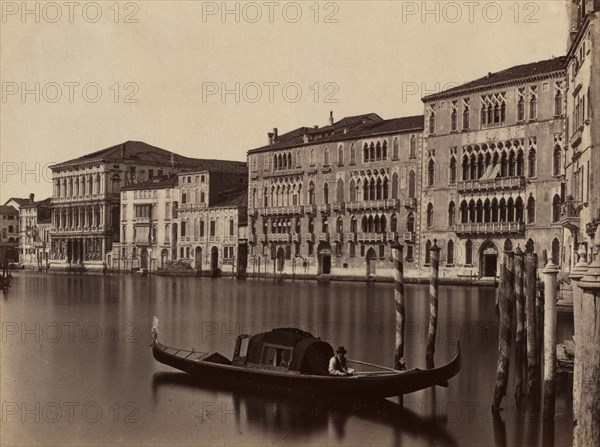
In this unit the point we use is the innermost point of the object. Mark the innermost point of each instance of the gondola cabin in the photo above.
(285, 350)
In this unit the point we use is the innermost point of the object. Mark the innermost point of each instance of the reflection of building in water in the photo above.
(332, 200)
(493, 168)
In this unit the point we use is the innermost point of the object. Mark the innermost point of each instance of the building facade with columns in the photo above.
(86, 198)
(493, 168)
(581, 210)
(331, 200)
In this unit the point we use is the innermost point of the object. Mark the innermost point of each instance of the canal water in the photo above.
(77, 368)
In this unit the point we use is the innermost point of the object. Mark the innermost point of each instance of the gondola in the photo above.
(293, 361)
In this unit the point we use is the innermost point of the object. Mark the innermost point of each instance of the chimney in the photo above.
(31, 197)
(275, 134)
(122, 151)
(331, 118)
(270, 135)
(172, 160)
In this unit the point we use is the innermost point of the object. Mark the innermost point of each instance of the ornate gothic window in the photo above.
(454, 116)
(429, 215)
(466, 113)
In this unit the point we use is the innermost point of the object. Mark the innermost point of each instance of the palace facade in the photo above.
(87, 195)
(581, 210)
(332, 200)
(35, 233)
(493, 168)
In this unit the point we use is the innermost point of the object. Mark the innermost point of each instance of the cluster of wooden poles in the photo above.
(527, 311)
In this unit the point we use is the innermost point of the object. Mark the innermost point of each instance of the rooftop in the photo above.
(348, 128)
(8, 209)
(146, 154)
(232, 199)
(518, 72)
(162, 182)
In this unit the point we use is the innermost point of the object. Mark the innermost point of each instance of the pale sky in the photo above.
(376, 56)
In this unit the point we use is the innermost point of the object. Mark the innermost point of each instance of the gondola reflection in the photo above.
(298, 417)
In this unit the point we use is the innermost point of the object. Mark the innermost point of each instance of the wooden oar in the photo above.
(373, 365)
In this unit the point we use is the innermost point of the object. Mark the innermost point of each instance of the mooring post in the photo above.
(520, 310)
(578, 272)
(433, 302)
(533, 360)
(539, 308)
(587, 429)
(550, 275)
(399, 361)
(506, 302)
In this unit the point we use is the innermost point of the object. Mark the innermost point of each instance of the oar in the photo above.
(373, 365)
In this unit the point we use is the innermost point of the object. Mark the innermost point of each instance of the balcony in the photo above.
(252, 238)
(279, 237)
(323, 237)
(490, 228)
(372, 205)
(351, 237)
(371, 237)
(295, 237)
(324, 209)
(494, 184)
(292, 210)
(569, 214)
(575, 139)
(408, 236)
(338, 207)
(409, 203)
(262, 237)
(338, 237)
(284, 172)
(392, 236)
(309, 237)
(311, 210)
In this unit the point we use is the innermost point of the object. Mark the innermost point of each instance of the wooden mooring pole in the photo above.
(520, 314)
(587, 429)
(533, 359)
(433, 303)
(506, 302)
(550, 276)
(399, 361)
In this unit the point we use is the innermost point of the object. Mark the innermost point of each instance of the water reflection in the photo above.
(298, 416)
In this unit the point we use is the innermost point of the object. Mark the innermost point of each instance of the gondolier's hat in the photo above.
(341, 350)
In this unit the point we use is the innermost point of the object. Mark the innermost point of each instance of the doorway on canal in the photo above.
(371, 262)
(198, 259)
(324, 252)
(488, 260)
(214, 261)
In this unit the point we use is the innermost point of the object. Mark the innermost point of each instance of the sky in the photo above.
(211, 79)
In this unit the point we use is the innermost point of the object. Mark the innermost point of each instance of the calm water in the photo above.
(77, 369)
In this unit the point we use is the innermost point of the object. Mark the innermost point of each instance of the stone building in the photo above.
(34, 242)
(331, 200)
(493, 168)
(9, 234)
(581, 210)
(87, 192)
(211, 220)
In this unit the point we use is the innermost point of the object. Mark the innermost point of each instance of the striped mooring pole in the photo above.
(399, 361)
(433, 302)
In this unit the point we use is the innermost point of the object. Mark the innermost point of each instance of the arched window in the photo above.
(451, 213)
(428, 252)
(340, 191)
(529, 246)
(558, 103)
(532, 163)
(312, 157)
(326, 194)
(254, 198)
(311, 193)
(450, 253)
(556, 161)
(352, 155)
(394, 223)
(365, 189)
(325, 224)
(385, 189)
(378, 151)
(411, 184)
(413, 147)
(555, 208)
(410, 223)
(395, 149)
(431, 173)
(372, 152)
(464, 212)
(432, 122)
(326, 157)
(366, 153)
(183, 228)
(452, 179)
(395, 185)
(353, 225)
(339, 225)
(519, 210)
(469, 252)
(372, 193)
(384, 151)
(556, 252)
(341, 155)
(266, 198)
(352, 191)
(364, 224)
(465, 168)
(429, 215)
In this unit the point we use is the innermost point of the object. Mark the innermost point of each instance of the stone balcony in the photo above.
(323, 237)
(490, 228)
(292, 210)
(576, 138)
(371, 237)
(372, 205)
(408, 236)
(252, 238)
(569, 214)
(280, 237)
(81, 230)
(338, 237)
(295, 237)
(309, 237)
(501, 183)
(262, 237)
(325, 209)
(311, 210)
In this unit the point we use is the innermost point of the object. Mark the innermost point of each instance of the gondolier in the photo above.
(338, 365)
